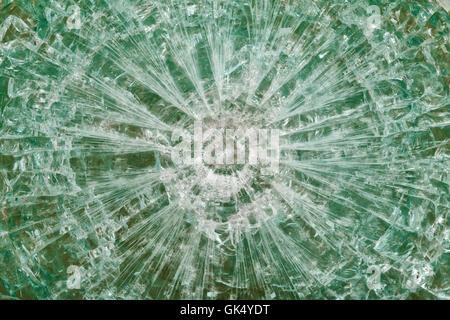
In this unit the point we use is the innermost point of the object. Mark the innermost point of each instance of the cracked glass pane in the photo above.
(224, 149)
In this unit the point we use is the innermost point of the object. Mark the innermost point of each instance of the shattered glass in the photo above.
(93, 205)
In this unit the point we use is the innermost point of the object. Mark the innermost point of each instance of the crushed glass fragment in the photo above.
(326, 126)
